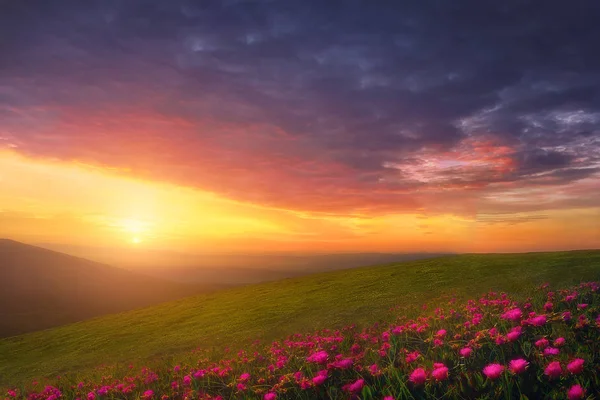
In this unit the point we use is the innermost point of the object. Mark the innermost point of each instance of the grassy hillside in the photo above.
(43, 288)
(271, 310)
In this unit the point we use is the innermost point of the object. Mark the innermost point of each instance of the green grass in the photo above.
(272, 310)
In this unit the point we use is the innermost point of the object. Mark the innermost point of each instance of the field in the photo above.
(236, 317)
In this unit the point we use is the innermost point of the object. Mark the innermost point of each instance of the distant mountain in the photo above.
(40, 288)
(238, 269)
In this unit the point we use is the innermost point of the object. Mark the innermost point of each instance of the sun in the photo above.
(136, 240)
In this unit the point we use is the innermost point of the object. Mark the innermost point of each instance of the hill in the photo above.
(43, 289)
(267, 311)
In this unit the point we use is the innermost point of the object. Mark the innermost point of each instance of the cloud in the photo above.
(357, 109)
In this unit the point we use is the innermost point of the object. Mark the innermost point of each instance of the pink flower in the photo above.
(493, 371)
(582, 306)
(548, 306)
(319, 357)
(513, 315)
(244, 377)
(553, 370)
(513, 335)
(465, 352)
(576, 366)
(388, 398)
(518, 366)
(241, 387)
(540, 320)
(320, 378)
(91, 396)
(418, 376)
(441, 333)
(343, 364)
(566, 316)
(411, 357)
(576, 392)
(356, 386)
(551, 351)
(148, 394)
(543, 342)
(440, 373)
(187, 380)
(559, 342)
(270, 396)
(374, 369)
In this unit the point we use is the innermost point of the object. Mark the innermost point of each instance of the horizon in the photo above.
(300, 127)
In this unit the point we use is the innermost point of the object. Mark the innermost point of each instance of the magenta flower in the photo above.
(576, 366)
(411, 357)
(418, 376)
(440, 373)
(513, 335)
(518, 366)
(551, 351)
(559, 342)
(441, 333)
(540, 320)
(319, 357)
(465, 352)
(320, 378)
(493, 371)
(542, 343)
(356, 386)
(576, 392)
(91, 396)
(553, 370)
(513, 315)
(148, 394)
(566, 316)
(270, 396)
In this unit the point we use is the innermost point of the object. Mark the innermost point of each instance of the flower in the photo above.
(553, 370)
(465, 352)
(319, 357)
(513, 335)
(320, 378)
(518, 366)
(411, 357)
(542, 343)
(493, 371)
(566, 316)
(576, 392)
(441, 333)
(513, 315)
(559, 342)
(270, 396)
(538, 321)
(244, 377)
(356, 386)
(148, 394)
(551, 351)
(440, 373)
(418, 376)
(576, 366)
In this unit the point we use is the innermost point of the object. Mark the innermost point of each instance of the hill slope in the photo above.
(272, 310)
(43, 289)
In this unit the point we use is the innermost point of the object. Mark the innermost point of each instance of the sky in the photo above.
(311, 126)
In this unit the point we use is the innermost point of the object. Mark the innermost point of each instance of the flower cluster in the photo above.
(495, 347)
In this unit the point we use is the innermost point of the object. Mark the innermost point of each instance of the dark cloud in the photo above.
(354, 105)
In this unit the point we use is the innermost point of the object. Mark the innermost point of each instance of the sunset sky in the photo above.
(313, 126)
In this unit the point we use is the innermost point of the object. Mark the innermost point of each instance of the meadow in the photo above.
(160, 349)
